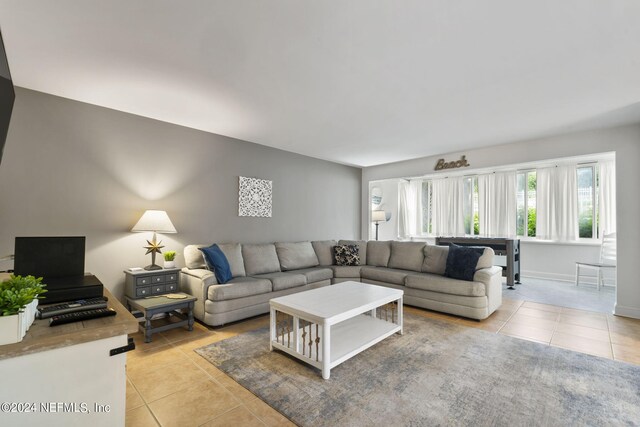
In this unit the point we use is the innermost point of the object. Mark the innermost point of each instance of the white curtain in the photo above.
(497, 204)
(446, 207)
(557, 203)
(607, 197)
(409, 209)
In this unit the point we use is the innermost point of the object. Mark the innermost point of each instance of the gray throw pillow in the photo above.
(294, 256)
(260, 258)
(378, 253)
(407, 255)
(324, 251)
(435, 259)
(233, 252)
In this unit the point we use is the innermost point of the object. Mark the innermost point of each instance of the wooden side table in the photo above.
(161, 304)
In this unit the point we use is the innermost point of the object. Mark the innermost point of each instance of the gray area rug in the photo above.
(438, 373)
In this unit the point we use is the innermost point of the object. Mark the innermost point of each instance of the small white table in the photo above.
(326, 326)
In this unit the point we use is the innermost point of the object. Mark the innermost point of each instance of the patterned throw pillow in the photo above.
(347, 254)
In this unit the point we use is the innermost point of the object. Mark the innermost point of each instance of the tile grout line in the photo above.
(509, 319)
(146, 405)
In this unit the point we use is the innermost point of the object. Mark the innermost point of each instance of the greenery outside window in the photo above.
(526, 203)
(587, 203)
(470, 206)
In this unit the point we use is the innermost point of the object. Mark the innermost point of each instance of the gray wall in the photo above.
(71, 168)
(623, 140)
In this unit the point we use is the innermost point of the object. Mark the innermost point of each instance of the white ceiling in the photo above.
(360, 82)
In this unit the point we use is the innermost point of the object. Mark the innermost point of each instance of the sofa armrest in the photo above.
(492, 279)
(196, 282)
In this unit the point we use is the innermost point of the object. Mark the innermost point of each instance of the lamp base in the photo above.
(153, 267)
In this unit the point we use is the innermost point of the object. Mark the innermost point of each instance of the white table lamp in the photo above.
(157, 222)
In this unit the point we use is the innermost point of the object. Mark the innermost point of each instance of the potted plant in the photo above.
(18, 303)
(169, 259)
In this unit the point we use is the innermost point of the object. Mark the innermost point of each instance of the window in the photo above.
(537, 202)
(587, 212)
(526, 203)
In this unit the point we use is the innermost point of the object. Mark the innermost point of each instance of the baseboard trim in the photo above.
(553, 276)
(571, 278)
(621, 310)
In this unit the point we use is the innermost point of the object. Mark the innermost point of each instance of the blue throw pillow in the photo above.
(216, 261)
(462, 261)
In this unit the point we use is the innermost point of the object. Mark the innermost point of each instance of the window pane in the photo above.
(521, 215)
(467, 204)
(426, 204)
(476, 208)
(585, 201)
(531, 203)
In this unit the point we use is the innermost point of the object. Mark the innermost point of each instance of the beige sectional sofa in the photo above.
(264, 271)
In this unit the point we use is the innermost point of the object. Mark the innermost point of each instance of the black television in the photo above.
(49, 257)
(7, 96)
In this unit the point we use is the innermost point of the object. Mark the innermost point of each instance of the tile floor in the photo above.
(169, 384)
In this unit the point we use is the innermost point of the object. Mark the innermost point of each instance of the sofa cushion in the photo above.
(260, 258)
(346, 271)
(296, 255)
(324, 251)
(239, 287)
(362, 247)
(284, 280)
(193, 257)
(233, 252)
(217, 262)
(435, 259)
(462, 261)
(445, 285)
(407, 255)
(378, 253)
(315, 274)
(383, 274)
(486, 260)
(346, 254)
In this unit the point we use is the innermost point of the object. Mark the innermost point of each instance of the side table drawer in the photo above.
(157, 279)
(171, 287)
(171, 277)
(143, 291)
(157, 289)
(143, 281)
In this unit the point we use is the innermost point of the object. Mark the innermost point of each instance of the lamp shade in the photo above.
(378, 216)
(156, 221)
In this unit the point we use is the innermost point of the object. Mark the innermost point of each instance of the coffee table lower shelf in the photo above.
(346, 339)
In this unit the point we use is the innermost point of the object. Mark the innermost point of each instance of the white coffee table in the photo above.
(326, 326)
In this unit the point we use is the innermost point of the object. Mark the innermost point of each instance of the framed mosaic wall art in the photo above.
(254, 197)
